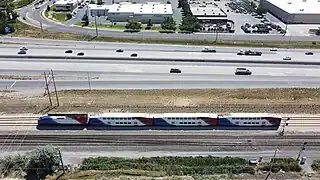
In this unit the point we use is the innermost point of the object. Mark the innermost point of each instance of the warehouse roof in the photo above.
(298, 6)
(149, 8)
(65, 2)
(206, 10)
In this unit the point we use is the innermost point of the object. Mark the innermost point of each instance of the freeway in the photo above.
(150, 75)
(34, 18)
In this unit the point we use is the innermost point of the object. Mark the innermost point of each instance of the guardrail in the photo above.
(163, 59)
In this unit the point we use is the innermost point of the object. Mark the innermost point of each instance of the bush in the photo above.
(285, 164)
(172, 165)
(166, 31)
(68, 16)
(148, 28)
(316, 165)
(131, 30)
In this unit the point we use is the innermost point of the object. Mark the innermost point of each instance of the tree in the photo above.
(261, 10)
(149, 23)
(253, 5)
(68, 16)
(48, 8)
(190, 23)
(42, 161)
(99, 2)
(133, 24)
(169, 24)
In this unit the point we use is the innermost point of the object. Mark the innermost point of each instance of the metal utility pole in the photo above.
(274, 155)
(55, 88)
(95, 22)
(41, 26)
(302, 149)
(89, 83)
(47, 87)
(216, 35)
(61, 161)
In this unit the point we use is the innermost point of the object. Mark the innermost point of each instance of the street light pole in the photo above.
(302, 149)
(274, 155)
(95, 22)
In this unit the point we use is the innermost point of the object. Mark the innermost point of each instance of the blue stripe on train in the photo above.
(161, 122)
(96, 122)
(225, 122)
(46, 120)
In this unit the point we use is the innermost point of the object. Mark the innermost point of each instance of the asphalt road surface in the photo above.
(33, 17)
(149, 75)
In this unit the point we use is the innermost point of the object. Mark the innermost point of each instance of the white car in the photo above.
(287, 58)
(273, 49)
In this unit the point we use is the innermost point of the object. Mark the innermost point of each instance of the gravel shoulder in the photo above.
(197, 100)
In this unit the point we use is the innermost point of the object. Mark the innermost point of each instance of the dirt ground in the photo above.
(209, 100)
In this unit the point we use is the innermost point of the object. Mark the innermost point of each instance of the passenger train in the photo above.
(140, 121)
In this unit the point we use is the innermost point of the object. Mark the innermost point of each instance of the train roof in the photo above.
(122, 115)
(187, 115)
(249, 115)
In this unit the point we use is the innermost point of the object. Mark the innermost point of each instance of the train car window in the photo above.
(184, 122)
(237, 122)
(129, 122)
(61, 118)
(117, 122)
(244, 122)
(193, 123)
(257, 122)
(189, 122)
(246, 118)
(124, 122)
(180, 123)
(172, 122)
(109, 122)
(199, 122)
(263, 122)
(135, 123)
(104, 118)
(121, 122)
(242, 118)
(169, 118)
(249, 122)
(233, 118)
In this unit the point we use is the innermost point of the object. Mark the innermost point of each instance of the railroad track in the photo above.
(143, 140)
(18, 120)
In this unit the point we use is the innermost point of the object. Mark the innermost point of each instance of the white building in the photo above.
(66, 5)
(207, 12)
(295, 11)
(123, 12)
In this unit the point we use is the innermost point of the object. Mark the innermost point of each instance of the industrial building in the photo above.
(66, 5)
(208, 12)
(294, 11)
(125, 11)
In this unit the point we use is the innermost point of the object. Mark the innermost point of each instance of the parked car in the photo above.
(175, 70)
(288, 58)
(119, 50)
(242, 71)
(68, 51)
(309, 53)
(134, 55)
(80, 54)
(303, 160)
(273, 49)
(22, 52)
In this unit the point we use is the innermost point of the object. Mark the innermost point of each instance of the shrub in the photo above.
(316, 165)
(166, 31)
(148, 28)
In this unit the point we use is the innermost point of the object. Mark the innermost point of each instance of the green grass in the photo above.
(316, 165)
(61, 17)
(22, 3)
(23, 30)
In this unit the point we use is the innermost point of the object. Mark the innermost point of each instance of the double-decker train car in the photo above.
(137, 121)
(121, 121)
(63, 121)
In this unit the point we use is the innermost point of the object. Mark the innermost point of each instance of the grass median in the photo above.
(23, 30)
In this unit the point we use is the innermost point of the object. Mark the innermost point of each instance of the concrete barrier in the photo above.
(162, 59)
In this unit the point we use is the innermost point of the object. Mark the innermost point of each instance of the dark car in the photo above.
(22, 52)
(68, 51)
(309, 53)
(23, 49)
(80, 54)
(119, 50)
(134, 55)
(175, 70)
(242, 71)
